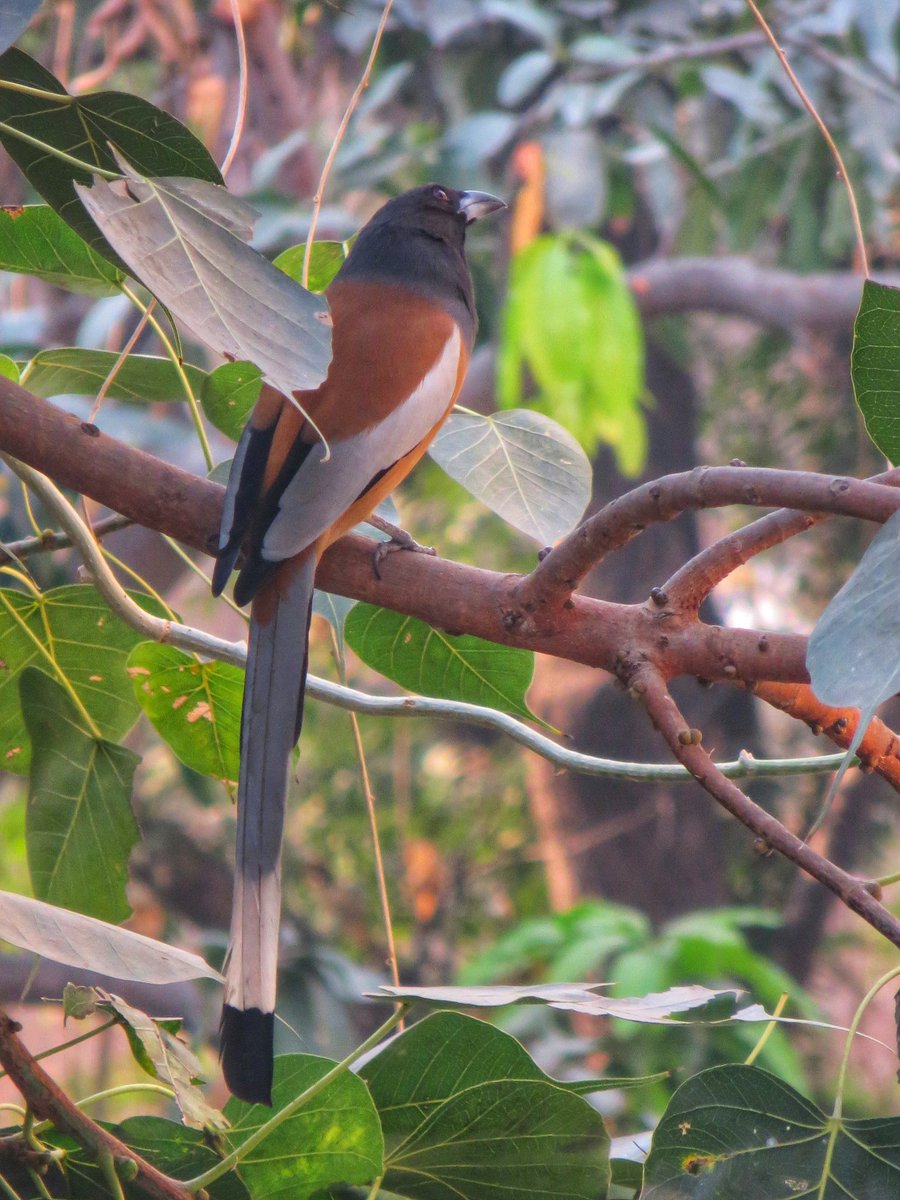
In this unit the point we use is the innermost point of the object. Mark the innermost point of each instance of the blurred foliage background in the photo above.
(657, 287)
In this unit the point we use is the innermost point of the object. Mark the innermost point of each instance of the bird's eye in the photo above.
(440, 194)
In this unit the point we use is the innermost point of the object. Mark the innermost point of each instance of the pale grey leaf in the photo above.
(521, 464)
(656, 1008)
(228, 294)
(79, 941)
(854, 651)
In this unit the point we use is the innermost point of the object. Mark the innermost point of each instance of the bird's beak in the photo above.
(475, 205)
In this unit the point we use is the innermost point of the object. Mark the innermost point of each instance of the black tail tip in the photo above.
(247, 1053)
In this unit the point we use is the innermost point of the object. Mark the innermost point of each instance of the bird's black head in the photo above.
(418, 240)
(435, 211)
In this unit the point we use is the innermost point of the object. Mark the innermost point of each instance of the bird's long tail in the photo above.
(270, 725)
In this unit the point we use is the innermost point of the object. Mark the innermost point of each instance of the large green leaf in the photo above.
(71, 634)
(185, 239)
(433, 663)
(336, 1137)
(737, 1132)
(195, 707)
(521, 464)
(176, 1150)
(141, 379)
(79, 826)
(571, 320)
(467, 1113)
(228, 396)
(875, 365)
(36, 241)
(89, 128)
(79, 941)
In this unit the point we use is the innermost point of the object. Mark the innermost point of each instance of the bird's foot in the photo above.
(399, 539)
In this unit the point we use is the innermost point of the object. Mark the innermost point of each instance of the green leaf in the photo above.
(434, 663)
(160, 1052)
(88, 128)
(179, 1152)
(467, 1113)
(70, 633)
(184, 239)
(141, 379)
(79, 941)
(734, 1132)
(229, 393)
(875, 365)
(9, 368)
(325, 261)
(36, 241)
(195, 707)
(335, 1137)
(15, 17)
(80, 828)
(571, 320)
(521, 464)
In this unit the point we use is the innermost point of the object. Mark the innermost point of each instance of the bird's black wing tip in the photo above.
(246, 1049)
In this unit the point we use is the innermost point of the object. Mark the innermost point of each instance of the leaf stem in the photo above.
(870, 995)
(126, 1089)
(767, 1032)
(175, 358)
(262, 1132)
(90, 168)
(823, 129)
(339, 137)
(41, 93)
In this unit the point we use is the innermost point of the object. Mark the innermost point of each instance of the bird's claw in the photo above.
(399, 540)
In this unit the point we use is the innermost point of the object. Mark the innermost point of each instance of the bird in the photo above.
(307, 469)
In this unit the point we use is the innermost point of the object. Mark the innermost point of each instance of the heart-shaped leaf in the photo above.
(141, 379)
(875, 365)
(228, 294)
(195, 707)
(433, 663)
(92, 945)
(734, 1132)
(71, 634)
(36, 241)
(89, 129)
(335, 1138)
(521, 464)
(79, 827)
(467, 1113)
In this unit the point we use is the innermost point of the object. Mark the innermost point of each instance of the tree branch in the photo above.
(49, 1102)
(684, 743)
(460, 598)
(557, 576)
(824, 303)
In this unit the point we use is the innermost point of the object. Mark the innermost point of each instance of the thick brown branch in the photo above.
(691, 584)
(447, 595)
(49, 1102)
(554, 579)
(684, 743)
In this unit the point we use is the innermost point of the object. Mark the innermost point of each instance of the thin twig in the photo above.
(823, 129)
(685, 743)
(339, 137)
(243, 87)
